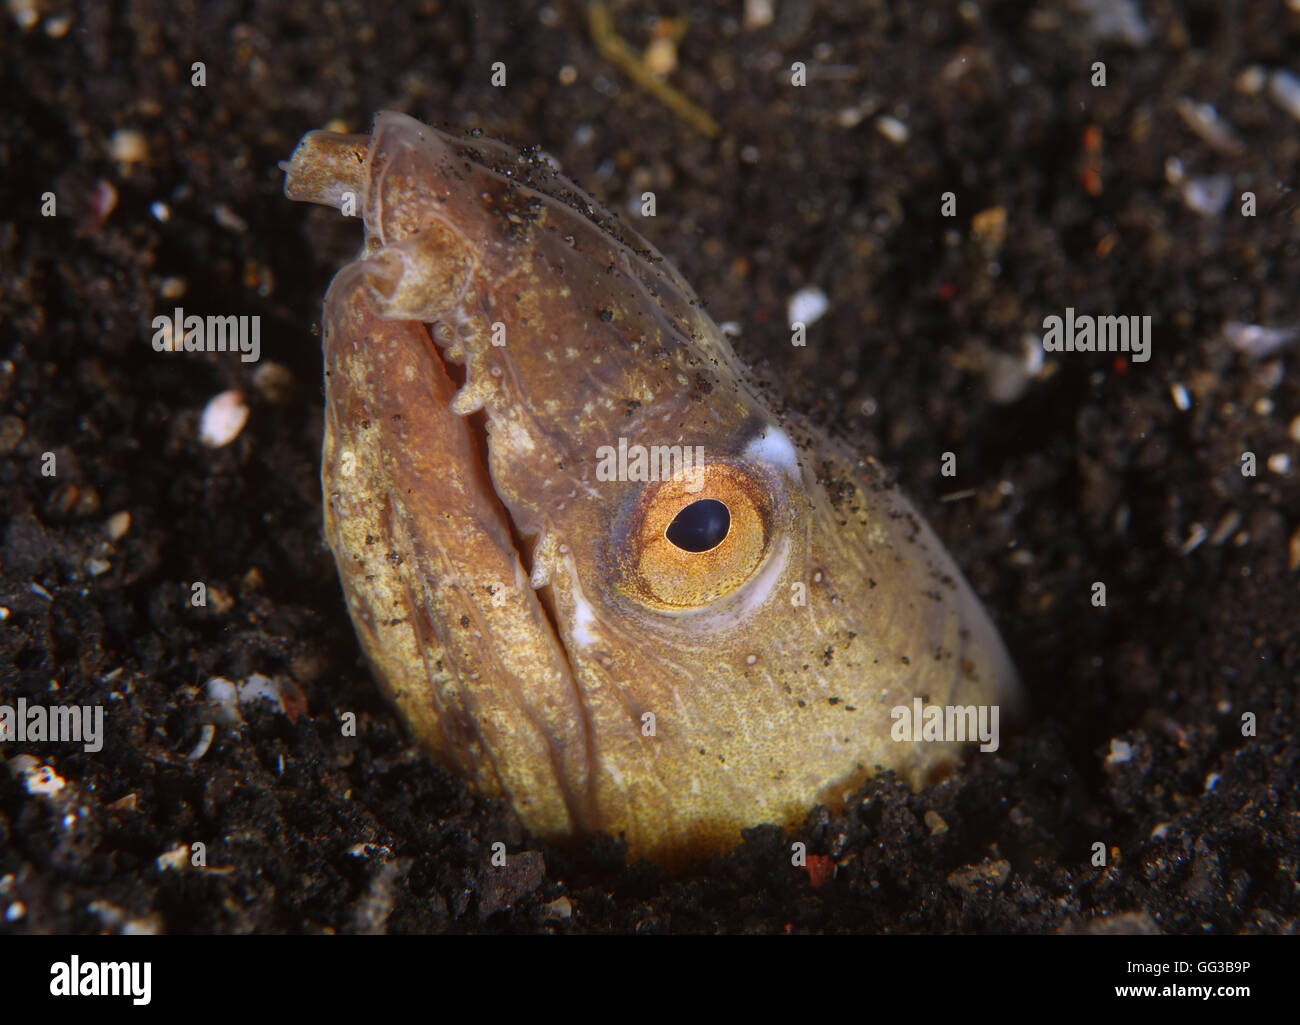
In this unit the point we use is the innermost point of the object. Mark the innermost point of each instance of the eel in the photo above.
(595, 570)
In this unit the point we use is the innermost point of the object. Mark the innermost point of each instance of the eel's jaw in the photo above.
(434, 583)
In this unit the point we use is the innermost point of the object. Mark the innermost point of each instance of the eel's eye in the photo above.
(688, 543)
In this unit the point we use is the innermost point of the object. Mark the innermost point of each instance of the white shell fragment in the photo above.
(224, 699)
(1114, 21)
(1195, 538)
(1007, 377)
(117, 525)
(1205, 121)
(173, 860)
(1120, 751)
(43, 781)
(1284, 88)
(892, 129)
(807, 306)
(1208, 196)
(260, 688)
(223, 418)
(206, 734)
(228, 219)
(1256, 341)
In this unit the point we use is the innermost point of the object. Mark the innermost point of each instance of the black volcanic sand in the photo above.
(1093, 474)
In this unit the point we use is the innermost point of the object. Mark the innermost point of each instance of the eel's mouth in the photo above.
(524, 545)
(581, 802)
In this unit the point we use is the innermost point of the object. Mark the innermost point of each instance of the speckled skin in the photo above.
(499, 588)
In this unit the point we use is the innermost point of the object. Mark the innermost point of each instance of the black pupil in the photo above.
(700, 526)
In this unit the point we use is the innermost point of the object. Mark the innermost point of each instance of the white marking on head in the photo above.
(774, 448)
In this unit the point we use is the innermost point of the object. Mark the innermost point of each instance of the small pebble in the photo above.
(1196, 536)
(128, 146)
(1256, 341)
(1230, 521)
(660, 58)
(228, 219)
(807, 306)
(223, 418)
(560, 909)
(892, 129)
(274, 382)
(849, 117)
(1204, 120)
(1120, 751)
(1269, 375)
(26, 13)
(100, 203)
(251, 582)
(990, 226)
(173, 860)
(1284, 88)
(1208, 196)
(12, 430)
(758, 14)
(224, 697)
(260, 688)
(977, 880)
(172, 288)
(1252, 80)
(206, 732)
(42, 780)
(1114, 21)
(934, 823)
